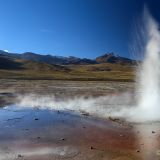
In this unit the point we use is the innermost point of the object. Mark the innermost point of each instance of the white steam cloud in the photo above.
(148, 108)
(101, 106)
(148, 89)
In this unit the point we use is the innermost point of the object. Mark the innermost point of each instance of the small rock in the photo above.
(19, 155)
(84, 113)
(38, 137)
(92, 147)
(36, 119)
(62, 139)
(153, 132)
(113, 119)
(138, 151)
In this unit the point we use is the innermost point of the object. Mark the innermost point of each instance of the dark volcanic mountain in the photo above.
(7, 63)
(59, 60)
(35, 66)
(112, 58)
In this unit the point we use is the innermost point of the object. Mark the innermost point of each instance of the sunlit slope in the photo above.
(24, 69)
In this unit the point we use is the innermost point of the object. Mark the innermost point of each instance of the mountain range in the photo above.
(36, 66)
(59, 60)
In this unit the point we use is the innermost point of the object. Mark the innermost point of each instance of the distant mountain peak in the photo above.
(28, 53)
(113, 58)
(60, 60)
(3, 51)
(110, 54)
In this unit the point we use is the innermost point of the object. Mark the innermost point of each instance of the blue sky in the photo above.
(83, 28)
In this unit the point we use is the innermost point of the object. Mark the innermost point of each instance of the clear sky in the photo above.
(83, 28)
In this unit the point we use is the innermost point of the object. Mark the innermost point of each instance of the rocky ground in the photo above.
(10, 88)
(35, 134)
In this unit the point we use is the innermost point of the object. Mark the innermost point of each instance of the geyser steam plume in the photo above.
(149, 72)
(147, 106)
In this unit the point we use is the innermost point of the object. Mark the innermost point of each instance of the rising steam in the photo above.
(149, 72)
(148, 89)
(100, 106)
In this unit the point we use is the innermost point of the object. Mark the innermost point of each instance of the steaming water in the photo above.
(101, 106)
(149, 73)
(148, 88)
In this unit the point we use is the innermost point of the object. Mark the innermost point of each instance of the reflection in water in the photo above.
(33, 133)
(43, 134)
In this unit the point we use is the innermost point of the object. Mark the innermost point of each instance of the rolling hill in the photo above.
(35, 66)
(59, 60)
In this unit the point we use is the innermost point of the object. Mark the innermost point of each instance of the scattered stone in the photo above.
(113, 119)
(84, 113)
(138, 151)
(36, 119)
(153, 132)
(19, 156)
(93, 147)
(62, 139)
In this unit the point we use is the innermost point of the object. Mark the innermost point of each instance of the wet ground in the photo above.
(41, 134)
(34, 134)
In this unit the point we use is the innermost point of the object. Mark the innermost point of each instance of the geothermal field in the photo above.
(49, 119)
(85, 120)
(74, 120)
